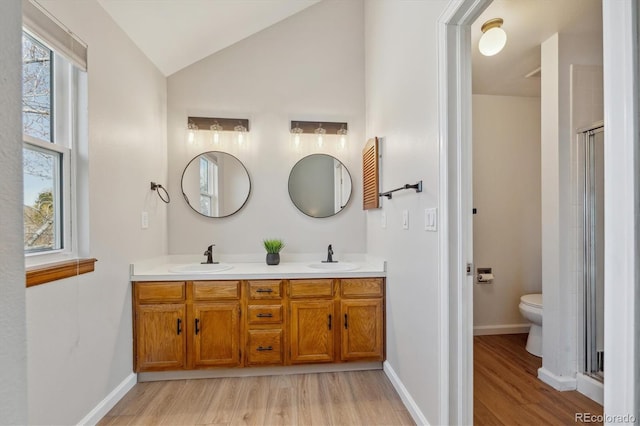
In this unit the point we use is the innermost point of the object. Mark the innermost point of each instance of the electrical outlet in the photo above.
(405, 219)
(144, 220)
(383, 220)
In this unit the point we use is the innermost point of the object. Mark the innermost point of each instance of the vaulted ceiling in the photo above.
(177, 33)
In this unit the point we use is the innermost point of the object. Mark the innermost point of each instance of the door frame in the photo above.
(455, 239)
(622, 208)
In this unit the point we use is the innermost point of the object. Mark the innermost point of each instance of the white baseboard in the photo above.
(408, 401)
(109, 401)
(484, 330)
(590, 387)
(561, 383)
(153, 376)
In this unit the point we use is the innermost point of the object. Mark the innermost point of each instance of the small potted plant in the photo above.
(273, 247)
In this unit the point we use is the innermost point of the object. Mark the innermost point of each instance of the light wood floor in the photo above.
(507, 391)
(350, 398)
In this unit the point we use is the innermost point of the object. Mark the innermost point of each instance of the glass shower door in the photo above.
(594, 251)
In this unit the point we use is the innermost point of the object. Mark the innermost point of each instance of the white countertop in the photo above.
(245, 267)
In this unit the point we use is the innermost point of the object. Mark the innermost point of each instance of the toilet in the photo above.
(531, 309)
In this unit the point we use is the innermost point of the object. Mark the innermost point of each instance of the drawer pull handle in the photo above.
(329, 321)
(179, 326)
(264, 290)
(346, 322)
(269, 315)
(261, 348)
(197, 326)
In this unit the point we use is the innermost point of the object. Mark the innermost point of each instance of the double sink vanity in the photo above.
(200, 320)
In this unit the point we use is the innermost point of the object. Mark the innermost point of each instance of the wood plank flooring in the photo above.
(507, 391)
(348, 398)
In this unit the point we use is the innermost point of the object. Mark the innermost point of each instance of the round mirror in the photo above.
(320, 185)
(215, 184)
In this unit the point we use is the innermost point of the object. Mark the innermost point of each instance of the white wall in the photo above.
(506, 193)
(402, 92)
(79, 329)
(13, 349)
(307, 67)
(559, 283)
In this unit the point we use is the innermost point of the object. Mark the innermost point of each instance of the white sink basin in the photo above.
(200, 268)
(336, 266)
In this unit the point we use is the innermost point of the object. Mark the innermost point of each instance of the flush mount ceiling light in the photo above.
(493, 37)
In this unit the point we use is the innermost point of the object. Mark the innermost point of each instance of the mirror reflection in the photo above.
(320, 185)
(215, 184)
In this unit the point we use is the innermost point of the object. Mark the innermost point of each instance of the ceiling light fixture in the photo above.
(493, 37)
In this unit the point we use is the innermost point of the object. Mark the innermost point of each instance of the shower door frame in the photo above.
(592, 365)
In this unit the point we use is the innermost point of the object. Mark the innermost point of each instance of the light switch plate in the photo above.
(431, 219)
(144, 220)
(405, 219)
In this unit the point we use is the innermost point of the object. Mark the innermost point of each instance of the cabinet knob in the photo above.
(329, 322)
(179, 326)
(197, 326)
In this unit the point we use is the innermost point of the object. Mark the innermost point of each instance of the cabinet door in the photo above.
(312, 326)
(362, 325)
(216, 336)
(160, 337)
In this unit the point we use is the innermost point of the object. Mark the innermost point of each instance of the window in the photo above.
(208, 187)
(51, 90)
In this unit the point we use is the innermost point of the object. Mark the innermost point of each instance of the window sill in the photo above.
(43, 274)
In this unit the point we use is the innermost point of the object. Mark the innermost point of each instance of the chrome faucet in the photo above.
(329, 255)
(209, 254)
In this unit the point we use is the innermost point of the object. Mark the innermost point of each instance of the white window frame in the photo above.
(66, 101)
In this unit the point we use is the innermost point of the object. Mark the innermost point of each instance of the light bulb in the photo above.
(191, 132)
(216, 128)
(296, 140)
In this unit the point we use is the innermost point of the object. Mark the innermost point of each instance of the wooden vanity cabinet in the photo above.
(362, 319)
(215, 325)
(183, 325)
(312, 330)
(264, 344)
(159, 326)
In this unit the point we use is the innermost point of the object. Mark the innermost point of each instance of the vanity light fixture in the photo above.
(216, 129)
(192, 128)
(493, 37)
(320, 129)
(216, 125)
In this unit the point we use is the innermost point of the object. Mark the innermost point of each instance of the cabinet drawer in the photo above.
(160, 292)
(362, 287)
(267, 289)
(311, 289)
(216, 290)
(265, 314)
(264, 347)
